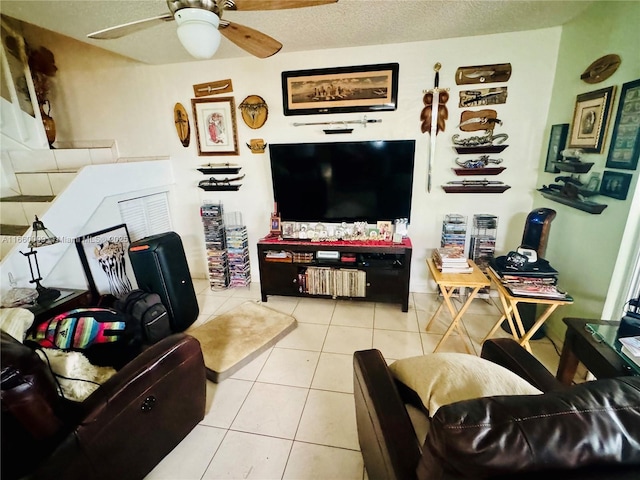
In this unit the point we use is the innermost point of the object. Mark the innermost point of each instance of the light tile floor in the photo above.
(290, 413)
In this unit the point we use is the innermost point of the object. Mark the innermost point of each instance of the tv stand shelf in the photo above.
(373, 271)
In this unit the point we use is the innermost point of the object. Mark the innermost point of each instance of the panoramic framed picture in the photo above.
(216, 129)
(615, 184)
(557, 141)
(590, 119)
(362, 88)
(625, 141)
(105, 258)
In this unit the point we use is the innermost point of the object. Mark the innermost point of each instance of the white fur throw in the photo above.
(443, 378)
(76, 367)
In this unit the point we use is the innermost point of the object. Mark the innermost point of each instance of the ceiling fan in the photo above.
(200, 25)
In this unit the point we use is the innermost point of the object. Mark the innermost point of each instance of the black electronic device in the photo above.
(343, 181)
(536, 230)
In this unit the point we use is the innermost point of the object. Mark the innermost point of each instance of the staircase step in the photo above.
(13, 230)
(28, 198)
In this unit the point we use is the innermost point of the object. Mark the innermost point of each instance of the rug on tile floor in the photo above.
(233, 339)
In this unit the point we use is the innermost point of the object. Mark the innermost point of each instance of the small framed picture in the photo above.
(557, 141)
(590, 119)
(288, 228)
(624, 151)
(615, 184)
(275, 225)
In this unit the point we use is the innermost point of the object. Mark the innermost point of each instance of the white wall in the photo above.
(102, 96)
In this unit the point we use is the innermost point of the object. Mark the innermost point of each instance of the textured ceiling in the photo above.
(347, 23)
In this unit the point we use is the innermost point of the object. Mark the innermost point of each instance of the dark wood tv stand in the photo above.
(386, 266)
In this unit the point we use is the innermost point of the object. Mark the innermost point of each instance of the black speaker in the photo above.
(160, 266)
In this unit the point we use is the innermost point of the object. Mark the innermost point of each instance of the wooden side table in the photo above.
(582, 346)
(68, 300)
(448, 282)
(511, 313)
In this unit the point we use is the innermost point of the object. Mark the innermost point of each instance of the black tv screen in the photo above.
(343, 181)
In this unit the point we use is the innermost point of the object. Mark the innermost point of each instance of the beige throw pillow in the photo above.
(443, 378)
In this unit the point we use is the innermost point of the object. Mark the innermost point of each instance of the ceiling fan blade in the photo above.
(131, 27)
(245, 5)
(253, 41)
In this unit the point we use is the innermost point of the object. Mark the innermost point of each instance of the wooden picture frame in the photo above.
(557, 142)
(105, 259)
(615, 184)
(363, 88)
(590, 119)
(624, 150)
(216, 128)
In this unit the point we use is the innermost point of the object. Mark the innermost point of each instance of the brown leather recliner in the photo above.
(121, 431)
(588, 431)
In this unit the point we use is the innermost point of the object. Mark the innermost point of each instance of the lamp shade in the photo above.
(198, 31)
(41, 236)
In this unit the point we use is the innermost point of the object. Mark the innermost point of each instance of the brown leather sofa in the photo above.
(587, 431)
(121, 431)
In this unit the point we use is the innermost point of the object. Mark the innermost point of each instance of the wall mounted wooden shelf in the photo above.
(475, 188)
(481, 149)
(585, 206)
(479, 171)
(218, 188)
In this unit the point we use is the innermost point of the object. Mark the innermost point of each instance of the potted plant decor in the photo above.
(43, 66)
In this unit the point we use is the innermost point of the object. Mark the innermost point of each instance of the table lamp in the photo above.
(41, 236)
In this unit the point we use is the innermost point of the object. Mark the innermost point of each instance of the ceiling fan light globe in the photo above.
(198, 32)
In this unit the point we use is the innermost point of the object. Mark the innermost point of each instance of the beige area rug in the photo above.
(233, 339)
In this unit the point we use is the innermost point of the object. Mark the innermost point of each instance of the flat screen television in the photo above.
(343, 181)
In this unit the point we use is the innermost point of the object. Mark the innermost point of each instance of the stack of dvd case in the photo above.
(216, 244)
(238, 254)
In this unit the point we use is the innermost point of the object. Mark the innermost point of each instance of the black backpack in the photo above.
(147, 316)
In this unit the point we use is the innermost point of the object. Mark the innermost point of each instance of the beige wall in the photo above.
(103, 96)
(585, 248)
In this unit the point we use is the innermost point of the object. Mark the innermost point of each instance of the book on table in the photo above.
(631, 348)
(451, 260)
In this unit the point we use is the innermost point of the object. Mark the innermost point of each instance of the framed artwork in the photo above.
(362, 88)
(216, 129)
(288, 229)
(557, 142)
(615, 184)
(625, 141)
(590, 119)
(275, 225)
(105, 259)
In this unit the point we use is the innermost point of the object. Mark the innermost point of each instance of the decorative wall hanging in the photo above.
(601, 69)
(433, 116)
(212, 88)
(471, 121)
(487, 143)
(499, 72)
(615, 184)
(479, 166)
(340, 127)
(182, 124)
(590, 120)
(557, 142)
(361, 88)
(105, 258)
(254, 111)
(215, 126)
(257, 145)
(221, 184)
(625, 141)
(483, 96)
